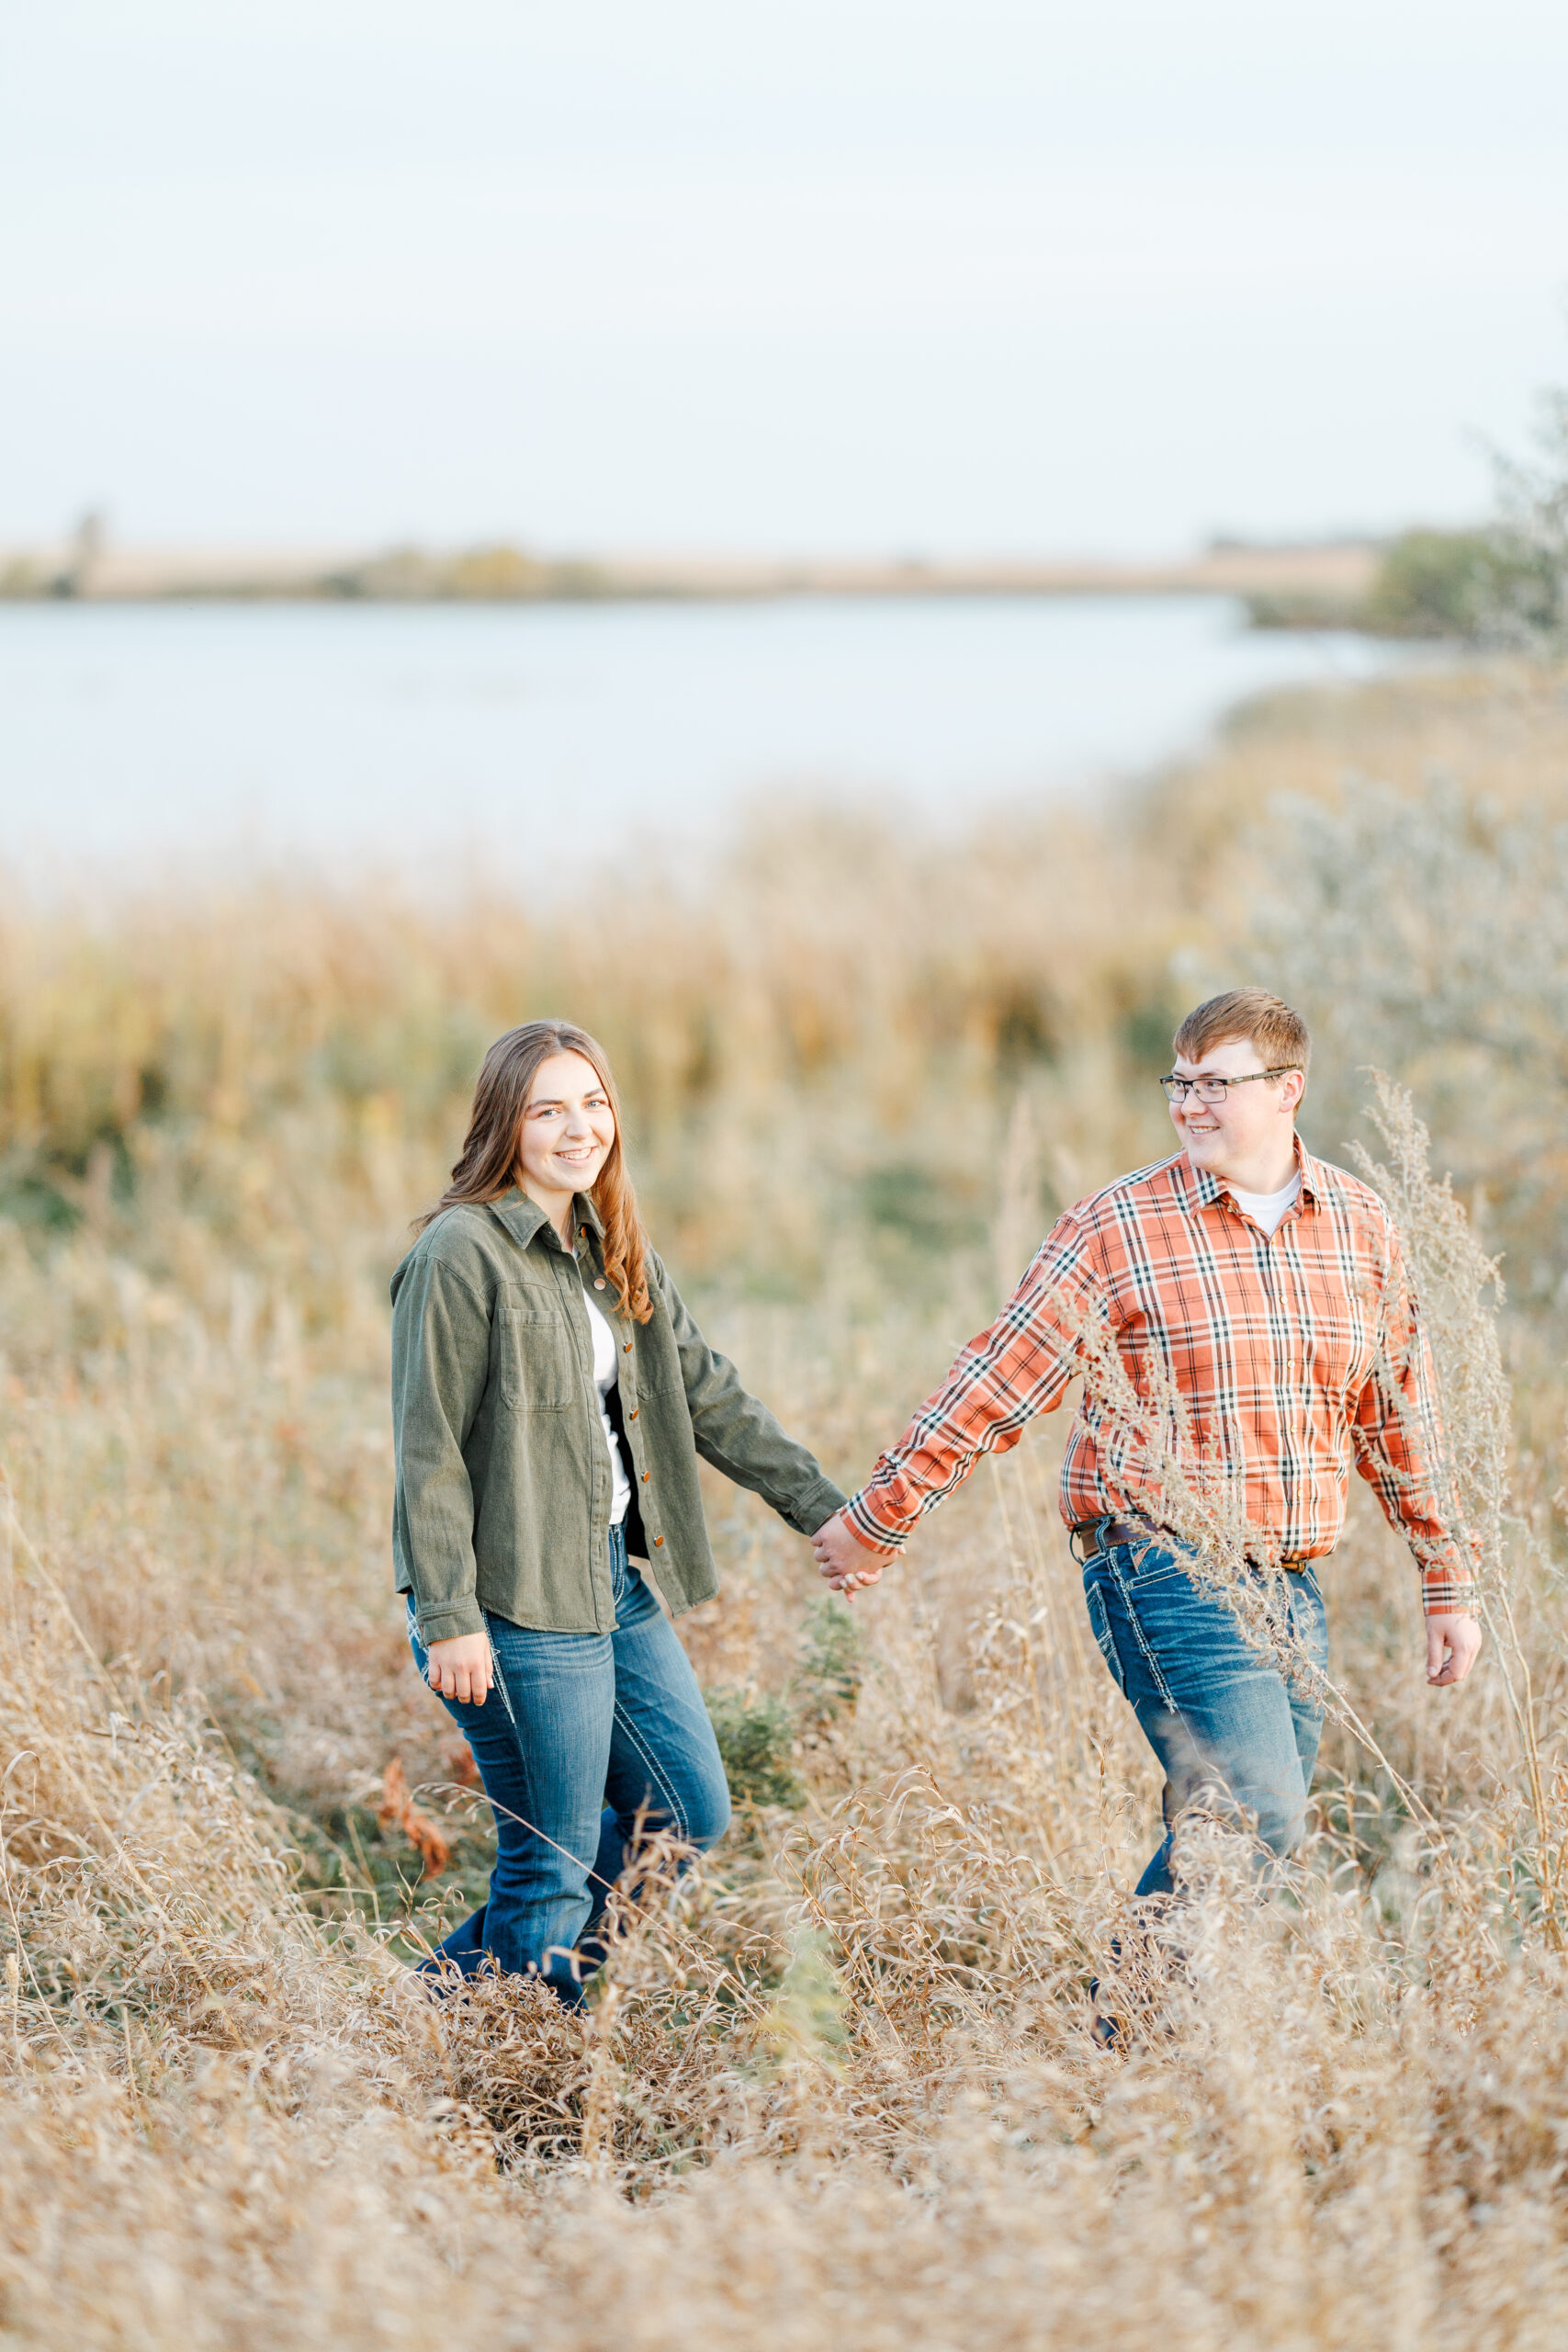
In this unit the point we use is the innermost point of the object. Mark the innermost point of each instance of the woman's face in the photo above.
(568, 1129)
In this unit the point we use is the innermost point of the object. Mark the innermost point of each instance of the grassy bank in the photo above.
(842, 2088)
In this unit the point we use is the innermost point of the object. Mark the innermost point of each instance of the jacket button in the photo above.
(598, 1281)
(646, 1477)
(657, 1541)
(628, 1349)
(632, 1415)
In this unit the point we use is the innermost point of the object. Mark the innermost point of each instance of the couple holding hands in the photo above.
(551, 1396)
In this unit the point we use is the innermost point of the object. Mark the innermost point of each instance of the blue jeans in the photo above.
(580, 1734)
(1229, 1730)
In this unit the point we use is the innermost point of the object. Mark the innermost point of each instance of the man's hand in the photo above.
(460, 1668)
(1454, 1644)
(843, 1559)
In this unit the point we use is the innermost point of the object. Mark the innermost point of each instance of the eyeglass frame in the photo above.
(1191, 1085)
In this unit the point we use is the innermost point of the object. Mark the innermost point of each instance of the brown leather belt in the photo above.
(1102, 1532)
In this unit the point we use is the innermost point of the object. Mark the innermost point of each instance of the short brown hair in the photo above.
(1280, 1036)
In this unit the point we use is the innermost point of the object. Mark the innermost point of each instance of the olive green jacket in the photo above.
(503, 1473)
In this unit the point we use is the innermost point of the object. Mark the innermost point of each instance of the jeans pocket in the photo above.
(1139, 1565)
(1100, 1624)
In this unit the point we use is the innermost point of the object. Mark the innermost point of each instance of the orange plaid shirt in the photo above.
(1296, 1356)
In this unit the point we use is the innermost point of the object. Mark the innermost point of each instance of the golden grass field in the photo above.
(840, 2089)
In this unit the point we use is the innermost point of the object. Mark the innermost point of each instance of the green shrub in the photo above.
(1455, 583)
(832, 1664)
(756, 1739)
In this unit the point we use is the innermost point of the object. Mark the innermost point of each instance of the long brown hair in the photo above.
(487, 1165)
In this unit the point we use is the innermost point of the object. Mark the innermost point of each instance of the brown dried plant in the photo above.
(838, 2085)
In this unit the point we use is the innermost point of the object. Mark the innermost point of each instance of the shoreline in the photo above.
(1316, 586)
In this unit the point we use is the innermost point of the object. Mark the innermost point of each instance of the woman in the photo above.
(550, 1397)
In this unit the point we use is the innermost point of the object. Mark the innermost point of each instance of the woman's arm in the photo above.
(736, 1433)
(440, 1366)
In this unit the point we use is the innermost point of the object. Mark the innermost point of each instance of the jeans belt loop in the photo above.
(1092, 1532)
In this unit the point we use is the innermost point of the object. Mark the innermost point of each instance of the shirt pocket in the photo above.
(536, 1369)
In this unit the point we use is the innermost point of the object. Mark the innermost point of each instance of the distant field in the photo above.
(842, 2090)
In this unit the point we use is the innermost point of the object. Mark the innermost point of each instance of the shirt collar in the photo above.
(525, 1219)
(1206, 1188)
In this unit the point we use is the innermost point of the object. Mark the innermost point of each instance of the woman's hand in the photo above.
(843, 1559)
(460, 1668)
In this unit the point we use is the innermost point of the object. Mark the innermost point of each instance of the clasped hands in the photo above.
(845, 1560)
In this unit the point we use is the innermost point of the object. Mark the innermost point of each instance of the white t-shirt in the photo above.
(606, 1372)
(1266, 1208)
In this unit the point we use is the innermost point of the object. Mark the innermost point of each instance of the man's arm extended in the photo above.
(1398, 1432)
(1020, 1367)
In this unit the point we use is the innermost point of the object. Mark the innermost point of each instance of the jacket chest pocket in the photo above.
(534, 1364)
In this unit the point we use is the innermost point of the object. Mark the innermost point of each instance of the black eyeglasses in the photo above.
(1214, 1090)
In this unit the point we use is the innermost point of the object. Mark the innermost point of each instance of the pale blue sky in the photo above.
(843, 274)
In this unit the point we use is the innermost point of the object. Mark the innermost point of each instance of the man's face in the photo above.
(1250, 1124)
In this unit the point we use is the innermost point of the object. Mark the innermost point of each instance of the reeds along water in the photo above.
(842, 2086)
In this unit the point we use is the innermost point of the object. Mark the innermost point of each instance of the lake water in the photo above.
(426, 738)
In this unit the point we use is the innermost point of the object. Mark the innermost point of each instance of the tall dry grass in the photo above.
(838, 2088)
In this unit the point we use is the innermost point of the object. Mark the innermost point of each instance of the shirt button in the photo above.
(598, 1281)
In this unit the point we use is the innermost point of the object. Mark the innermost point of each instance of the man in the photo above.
(1270, 1289)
